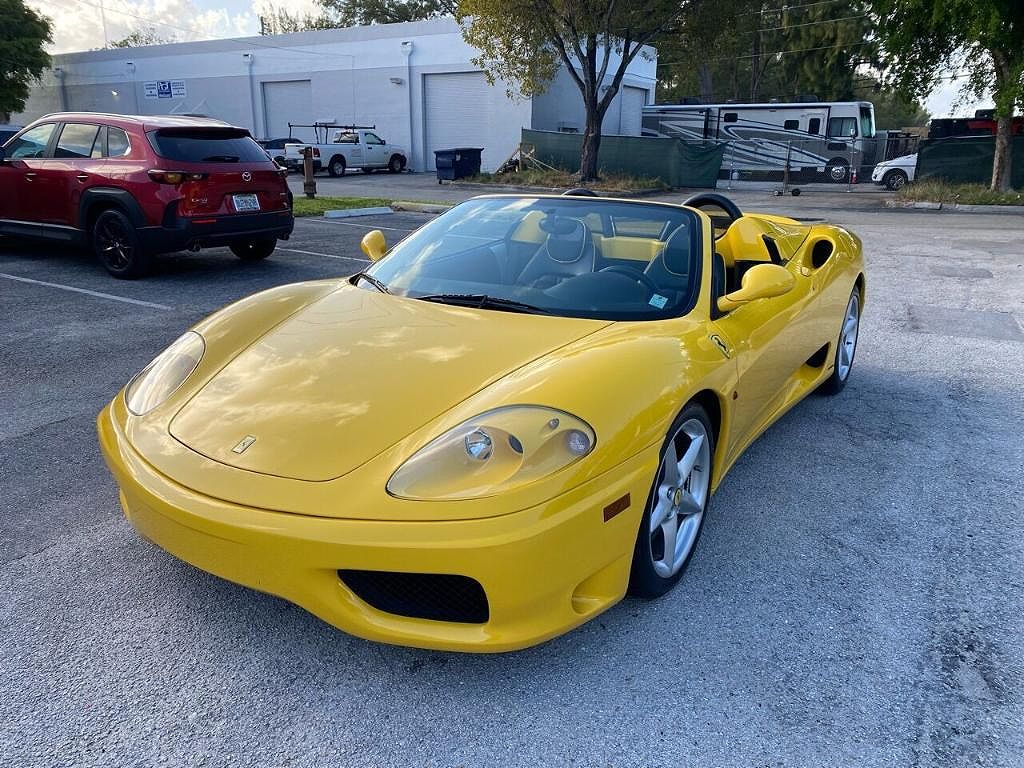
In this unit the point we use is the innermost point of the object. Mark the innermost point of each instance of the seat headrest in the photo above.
(568, 244)
(676, 254)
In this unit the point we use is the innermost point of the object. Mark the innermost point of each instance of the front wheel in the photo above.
(116, 243)
(894, 180)
(836, 170)
(846, 347)
(674, 517)
(253, 250)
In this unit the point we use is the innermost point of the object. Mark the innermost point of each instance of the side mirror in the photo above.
(761, 282)
(374, 245)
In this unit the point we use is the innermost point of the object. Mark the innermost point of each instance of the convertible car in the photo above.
(508, 421)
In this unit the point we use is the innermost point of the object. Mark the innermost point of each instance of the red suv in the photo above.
(133, 187)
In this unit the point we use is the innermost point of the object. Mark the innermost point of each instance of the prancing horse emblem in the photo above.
(244, 443)
(246, 176)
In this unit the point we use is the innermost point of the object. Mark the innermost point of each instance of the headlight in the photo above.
(165, 374)
(494, 452)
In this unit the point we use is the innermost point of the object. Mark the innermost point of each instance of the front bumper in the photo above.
(544, 570)
(182, 234)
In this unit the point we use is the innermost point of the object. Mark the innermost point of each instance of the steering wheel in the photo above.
(715, 200)
(636, 274)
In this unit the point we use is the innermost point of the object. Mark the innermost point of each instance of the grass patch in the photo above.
(967, 194)
(537, 177)
(303, 206)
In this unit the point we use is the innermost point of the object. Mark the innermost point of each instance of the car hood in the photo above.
(905, 160)
(352, 374)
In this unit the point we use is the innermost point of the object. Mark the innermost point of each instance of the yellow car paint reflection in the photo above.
(270, 464)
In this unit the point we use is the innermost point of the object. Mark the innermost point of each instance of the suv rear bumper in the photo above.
(182, 234)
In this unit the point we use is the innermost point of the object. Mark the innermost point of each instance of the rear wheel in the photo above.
(253, 250)
(674, 517)
(117, 245)
(894, 179)
(336, 167)
(846, 347)
(396, 164)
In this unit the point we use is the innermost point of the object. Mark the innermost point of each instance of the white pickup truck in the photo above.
(348, 148)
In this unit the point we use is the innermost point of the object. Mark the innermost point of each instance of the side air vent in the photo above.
(820, 253)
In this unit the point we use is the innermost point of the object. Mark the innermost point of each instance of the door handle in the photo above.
(82, 176)
(29, 176)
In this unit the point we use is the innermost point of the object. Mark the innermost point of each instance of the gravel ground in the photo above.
(856, 599)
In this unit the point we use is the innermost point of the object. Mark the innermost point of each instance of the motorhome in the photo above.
(819, 140)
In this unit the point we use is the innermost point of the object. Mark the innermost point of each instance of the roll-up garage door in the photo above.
(633, 100)
(456, 112)
(285, 102)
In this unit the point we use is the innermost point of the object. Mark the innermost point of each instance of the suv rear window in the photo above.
(209, 145)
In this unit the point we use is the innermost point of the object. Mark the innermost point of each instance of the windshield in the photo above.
(570, 256)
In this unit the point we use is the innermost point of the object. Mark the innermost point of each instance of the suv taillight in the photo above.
(174, 177)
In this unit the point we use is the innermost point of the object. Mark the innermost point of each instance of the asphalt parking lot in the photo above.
(857, 598)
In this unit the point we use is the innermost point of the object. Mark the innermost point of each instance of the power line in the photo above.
(767, 53)
(814, 23)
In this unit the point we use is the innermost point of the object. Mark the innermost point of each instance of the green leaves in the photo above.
(22, 58)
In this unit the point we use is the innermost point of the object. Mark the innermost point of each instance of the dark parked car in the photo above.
(133, 187)
(6, 131)
(275, 148)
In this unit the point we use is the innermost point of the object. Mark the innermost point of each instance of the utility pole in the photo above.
(103, 21)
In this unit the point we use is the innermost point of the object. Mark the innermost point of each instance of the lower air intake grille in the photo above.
(441, 597)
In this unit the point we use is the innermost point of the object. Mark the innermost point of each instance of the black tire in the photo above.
(837, 170)
(116, 243)
(396, 164)
(895, 179)
(253, 250)
(336, 167)
(834, 384)
(644, 580)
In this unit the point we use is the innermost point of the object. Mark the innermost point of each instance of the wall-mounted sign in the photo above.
(165, 89)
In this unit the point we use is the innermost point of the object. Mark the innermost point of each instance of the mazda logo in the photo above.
(246, 176)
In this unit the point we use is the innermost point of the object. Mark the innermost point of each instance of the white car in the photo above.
(347, 149)
(893, 174)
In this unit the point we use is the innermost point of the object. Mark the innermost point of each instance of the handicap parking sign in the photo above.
(163, 89)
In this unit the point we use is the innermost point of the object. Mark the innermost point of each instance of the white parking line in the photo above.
(325, 255)
(97, 294)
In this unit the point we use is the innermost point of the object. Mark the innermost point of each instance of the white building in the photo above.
(415, 82)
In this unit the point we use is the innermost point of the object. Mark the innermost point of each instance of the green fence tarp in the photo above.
(966, 159)
(676, 162)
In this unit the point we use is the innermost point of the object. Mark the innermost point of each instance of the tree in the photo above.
(893, 109)
(526, 41)
(279, 21)
(22, 58)
(142, 36)
(922, 39)
(353, 13)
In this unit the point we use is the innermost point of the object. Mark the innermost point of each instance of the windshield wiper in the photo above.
(483, 301)
(372, 281)
(221, 159)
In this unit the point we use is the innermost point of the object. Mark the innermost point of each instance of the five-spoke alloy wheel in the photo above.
(115, 242)
(675, 511)
(846, 346)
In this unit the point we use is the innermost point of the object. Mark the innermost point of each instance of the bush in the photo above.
(968, 194)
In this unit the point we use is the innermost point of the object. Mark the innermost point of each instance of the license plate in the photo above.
(246, 202)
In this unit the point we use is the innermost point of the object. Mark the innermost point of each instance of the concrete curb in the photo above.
(352, 212)
(403, 205)
(955, 207)
(500, 189)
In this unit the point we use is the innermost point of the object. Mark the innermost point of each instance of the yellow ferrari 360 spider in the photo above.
(504, 424)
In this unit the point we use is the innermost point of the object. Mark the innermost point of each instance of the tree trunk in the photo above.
(1002, 161)
(591, 145)
(707, 90)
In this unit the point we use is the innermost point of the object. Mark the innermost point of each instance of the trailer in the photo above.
(822, 140)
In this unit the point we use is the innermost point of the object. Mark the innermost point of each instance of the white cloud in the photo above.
(78, 25)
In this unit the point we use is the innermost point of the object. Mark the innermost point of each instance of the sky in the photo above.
(78, 25)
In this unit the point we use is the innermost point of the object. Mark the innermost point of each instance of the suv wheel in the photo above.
(116, 243)
(253, 250)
